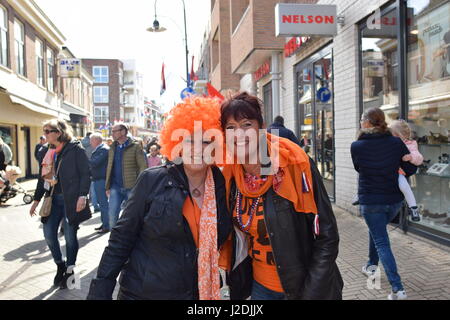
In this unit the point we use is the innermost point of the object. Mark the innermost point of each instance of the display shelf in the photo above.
(433, 175)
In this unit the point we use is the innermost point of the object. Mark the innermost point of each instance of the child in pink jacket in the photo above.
(401, 129)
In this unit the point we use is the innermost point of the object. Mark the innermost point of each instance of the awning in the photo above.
(38, 108)
(73, 110)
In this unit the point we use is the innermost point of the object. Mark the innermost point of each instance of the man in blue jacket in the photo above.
(283, 132)
(98, 164)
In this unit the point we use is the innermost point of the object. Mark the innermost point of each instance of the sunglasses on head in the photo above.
(46, 131)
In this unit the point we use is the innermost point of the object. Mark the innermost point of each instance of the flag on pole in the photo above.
(212, 92)
(163, 82)
(193, 76)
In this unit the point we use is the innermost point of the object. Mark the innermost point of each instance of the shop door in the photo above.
(267, 89)
(316, 113)
(27, 151)
(324, 124)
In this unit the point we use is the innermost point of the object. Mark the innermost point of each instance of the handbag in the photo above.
(46, 208)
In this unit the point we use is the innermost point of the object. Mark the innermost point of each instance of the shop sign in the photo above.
(293, 45)
(305, 19)
(262, 71)
(70, 68)
(375, 68)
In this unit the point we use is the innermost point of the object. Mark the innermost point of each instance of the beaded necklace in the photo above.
(239, 212)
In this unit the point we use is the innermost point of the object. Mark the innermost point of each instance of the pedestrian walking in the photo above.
(38, 148)
(98, 164)
(401, 129)
(65, 170)
(125, 162)
(86, 143)
(166, 243)
(377, 156)
(278, 251)
(5, 155)
(154, 158)
(278, 124)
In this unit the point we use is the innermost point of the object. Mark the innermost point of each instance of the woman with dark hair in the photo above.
(65, 175)
(166, 243)
(377, 156)
(277, 251)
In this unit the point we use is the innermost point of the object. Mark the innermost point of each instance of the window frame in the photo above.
(101, 78)
(50, 66)
(4, 31)
(40, 73)
(101, 95)
(19, 48)
(103, 117)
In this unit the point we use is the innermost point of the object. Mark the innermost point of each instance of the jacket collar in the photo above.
(373, 133)
(178, 178)
(69, 146)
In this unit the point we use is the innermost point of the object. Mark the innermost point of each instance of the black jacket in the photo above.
(74, 177)
(377, 157)
(306, 264)
(152, 245)
(283, 132)
(99, 162)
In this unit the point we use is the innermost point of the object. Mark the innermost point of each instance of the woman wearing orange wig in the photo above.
(167, 240)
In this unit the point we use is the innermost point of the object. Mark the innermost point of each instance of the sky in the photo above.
(115, 29)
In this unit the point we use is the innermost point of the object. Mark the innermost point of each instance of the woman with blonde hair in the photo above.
(400, 128)
(66, 176)
(166, 243)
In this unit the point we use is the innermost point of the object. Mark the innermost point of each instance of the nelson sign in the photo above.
(305, 20)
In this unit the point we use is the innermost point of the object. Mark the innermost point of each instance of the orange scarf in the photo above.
(47, 163)
(208, 257)
(296, 175)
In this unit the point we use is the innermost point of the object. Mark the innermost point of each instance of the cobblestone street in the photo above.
(27, 269)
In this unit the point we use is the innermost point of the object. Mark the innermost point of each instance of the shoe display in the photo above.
(399, 295)
(415, 214)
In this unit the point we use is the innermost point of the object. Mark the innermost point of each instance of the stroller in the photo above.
(9, 188)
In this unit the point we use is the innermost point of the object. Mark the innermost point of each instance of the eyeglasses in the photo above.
(50, 131)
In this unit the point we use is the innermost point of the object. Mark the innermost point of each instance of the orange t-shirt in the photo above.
(264, 267)
(192, 213)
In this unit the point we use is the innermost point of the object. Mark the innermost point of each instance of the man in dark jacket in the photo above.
(38, 148)
(283, 132)
(98, 164)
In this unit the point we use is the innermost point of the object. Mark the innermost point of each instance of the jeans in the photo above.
(377, 218)
(51, 233)
(259, 292)
(93, 197)
(117, 200)
(100, 191)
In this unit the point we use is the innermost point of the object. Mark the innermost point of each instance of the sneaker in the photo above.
(369, 270)
(415, 214)
(399, 295)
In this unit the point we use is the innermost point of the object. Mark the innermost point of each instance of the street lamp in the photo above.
(157, 28)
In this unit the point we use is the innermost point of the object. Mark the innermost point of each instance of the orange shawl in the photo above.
(296, 182)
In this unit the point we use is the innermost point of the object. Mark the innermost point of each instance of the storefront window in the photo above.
(380, 68)
(429, 107)
(314, 78)
(8, 135)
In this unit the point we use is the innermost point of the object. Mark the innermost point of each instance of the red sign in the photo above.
(307, 19)
(292, 45)
(262, 71)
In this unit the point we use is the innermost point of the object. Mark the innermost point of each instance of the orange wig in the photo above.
(183, 116)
